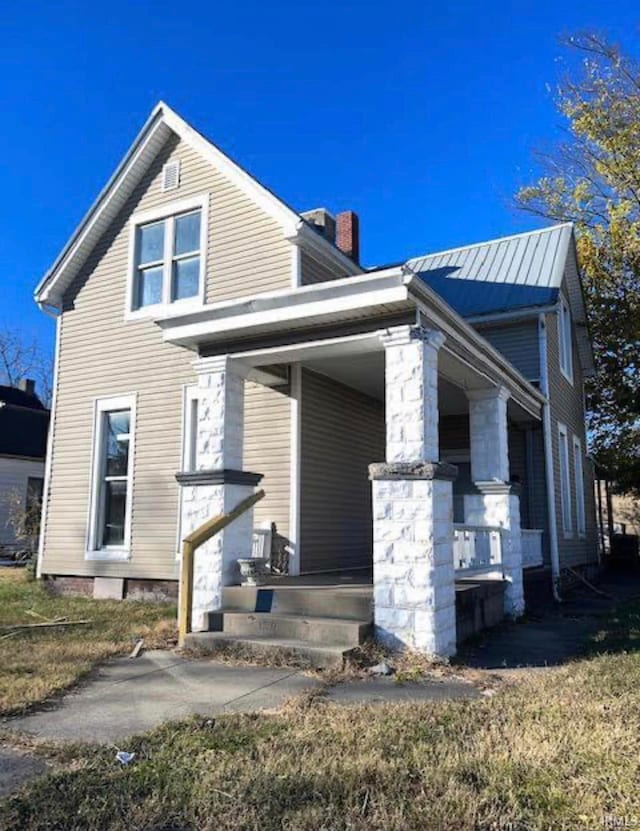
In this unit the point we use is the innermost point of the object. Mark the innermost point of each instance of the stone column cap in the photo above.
(497, 486)
(218, 477)
(412, 470)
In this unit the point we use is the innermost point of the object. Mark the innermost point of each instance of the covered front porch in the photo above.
(376, 456)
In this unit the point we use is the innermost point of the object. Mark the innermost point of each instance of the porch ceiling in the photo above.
(365, 373)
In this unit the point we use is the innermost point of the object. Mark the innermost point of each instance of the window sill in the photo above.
(107, 555)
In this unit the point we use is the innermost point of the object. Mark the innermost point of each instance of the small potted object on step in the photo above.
(253, 570)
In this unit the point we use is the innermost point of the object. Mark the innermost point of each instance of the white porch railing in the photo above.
(477, 548)
(531, 547)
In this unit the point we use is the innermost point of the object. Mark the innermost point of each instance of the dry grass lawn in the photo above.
(558, 750)
(35, 665)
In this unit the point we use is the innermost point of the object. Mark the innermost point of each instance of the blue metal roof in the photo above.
(500, 275)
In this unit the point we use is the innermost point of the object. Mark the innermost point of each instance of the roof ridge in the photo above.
(467, 247)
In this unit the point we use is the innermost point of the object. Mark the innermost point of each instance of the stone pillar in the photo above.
(411, 393)
(413, 570)
(218, 483)
(497, 502)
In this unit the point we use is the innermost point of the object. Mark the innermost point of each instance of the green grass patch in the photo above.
(34, 665)
(557, 750)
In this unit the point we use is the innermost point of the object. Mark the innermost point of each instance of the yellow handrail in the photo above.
(190, 544)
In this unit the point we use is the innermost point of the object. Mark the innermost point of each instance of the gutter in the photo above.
(516, 314)
(548, 458)
(48, 309)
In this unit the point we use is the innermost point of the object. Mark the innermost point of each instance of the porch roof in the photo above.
(284, 326)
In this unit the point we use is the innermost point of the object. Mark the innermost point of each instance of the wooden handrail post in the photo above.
(190, 545)
(186, 592)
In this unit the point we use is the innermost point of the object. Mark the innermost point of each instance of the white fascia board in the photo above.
(284, 315)
(260, 195)
(45, 291)
(52, 286)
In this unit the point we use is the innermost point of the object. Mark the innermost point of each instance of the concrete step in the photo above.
(285, 650)
(342, 602)
(315, 630)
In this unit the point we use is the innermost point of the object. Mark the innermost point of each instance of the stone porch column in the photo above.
(218, 482)
(413, 571)
(497, 502)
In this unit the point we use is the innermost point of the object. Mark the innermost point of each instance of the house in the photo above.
(24, 422)
(418, 429)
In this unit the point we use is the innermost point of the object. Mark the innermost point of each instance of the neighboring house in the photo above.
(24, 422)
(209, 337)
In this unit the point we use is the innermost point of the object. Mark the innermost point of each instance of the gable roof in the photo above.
(161, 124)
(20, 398)
(521, 271)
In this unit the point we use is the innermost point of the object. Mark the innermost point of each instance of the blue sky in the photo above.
(420, 116)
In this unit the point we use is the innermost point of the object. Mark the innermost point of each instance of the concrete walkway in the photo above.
(131, 696)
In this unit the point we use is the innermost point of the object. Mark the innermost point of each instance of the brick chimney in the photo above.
(27, 385)
(348, 234)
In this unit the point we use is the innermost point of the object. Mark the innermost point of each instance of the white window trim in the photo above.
(565, 351)
(578, 470)
(565, 492)
(100, 406)
(188, 458)
(167, 211)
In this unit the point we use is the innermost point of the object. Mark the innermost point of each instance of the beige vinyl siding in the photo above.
(311, 271)
(102, 355)
(267, 450)
(518, 342)
(567, 407)
(342, 432)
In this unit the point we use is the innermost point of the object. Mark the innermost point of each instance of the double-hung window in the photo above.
(581, 524)
(565, 480)
(168, 256)
(111, 495)
(565, 342)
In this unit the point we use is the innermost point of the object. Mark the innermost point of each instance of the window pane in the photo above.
(186, 275)
(149, 286)
(117, 448)
(151, 243)
(114, 512)
(187, 233)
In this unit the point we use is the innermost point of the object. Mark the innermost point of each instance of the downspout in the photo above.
(548, 458)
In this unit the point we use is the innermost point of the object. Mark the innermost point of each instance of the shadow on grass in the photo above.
(619, 632)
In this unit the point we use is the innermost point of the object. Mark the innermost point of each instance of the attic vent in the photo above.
(171, 175)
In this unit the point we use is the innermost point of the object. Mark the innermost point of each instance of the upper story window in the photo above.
(565, 341)
(168, 256)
